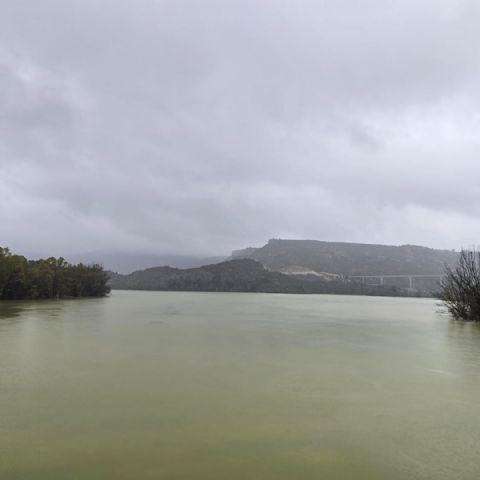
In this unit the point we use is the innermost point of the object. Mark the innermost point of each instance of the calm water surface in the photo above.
(154, 385)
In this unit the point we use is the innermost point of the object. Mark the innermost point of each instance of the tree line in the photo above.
(21, 278)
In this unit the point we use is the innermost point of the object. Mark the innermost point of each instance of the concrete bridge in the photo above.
(367, 279)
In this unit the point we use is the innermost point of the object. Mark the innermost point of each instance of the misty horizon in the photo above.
(92, 254)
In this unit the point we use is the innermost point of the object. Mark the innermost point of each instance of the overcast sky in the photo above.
(200, 126)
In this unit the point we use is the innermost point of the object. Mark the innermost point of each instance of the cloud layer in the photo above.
(202, 126)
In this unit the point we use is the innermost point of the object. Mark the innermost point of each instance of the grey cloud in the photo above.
(203, 126)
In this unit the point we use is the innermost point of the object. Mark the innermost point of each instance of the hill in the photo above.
(241, 275)
(349, 259)
(244, 275)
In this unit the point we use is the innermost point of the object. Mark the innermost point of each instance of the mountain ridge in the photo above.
(350, 259)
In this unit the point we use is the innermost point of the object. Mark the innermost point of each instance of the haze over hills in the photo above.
(295, 256)
(349, 259)
(127, 262)
(306, 266)
(242, 275)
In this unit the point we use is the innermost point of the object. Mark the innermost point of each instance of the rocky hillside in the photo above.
(349, 258)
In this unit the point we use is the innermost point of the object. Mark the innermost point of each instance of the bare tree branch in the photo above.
(461, 287)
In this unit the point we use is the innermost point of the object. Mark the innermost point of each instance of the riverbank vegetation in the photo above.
(461, 287)
(21, 278)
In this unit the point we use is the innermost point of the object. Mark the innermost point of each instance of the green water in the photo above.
(156, 385)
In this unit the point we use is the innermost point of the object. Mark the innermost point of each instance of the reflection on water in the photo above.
(152, 385)
(10, 310)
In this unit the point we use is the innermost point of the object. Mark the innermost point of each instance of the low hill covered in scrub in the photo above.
(241, 275)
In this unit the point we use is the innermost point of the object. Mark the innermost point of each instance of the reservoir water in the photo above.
(157, 385)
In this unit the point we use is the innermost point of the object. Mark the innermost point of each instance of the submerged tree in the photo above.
(51, 278)
(460, 289)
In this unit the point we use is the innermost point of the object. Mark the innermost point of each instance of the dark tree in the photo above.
(461, 287)
(51, 278)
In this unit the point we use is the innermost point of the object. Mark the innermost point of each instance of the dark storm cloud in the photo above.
(202, 126)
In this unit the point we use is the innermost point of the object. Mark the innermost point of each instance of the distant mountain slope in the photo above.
(242, 275)
(246, 275)
(350, 258)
